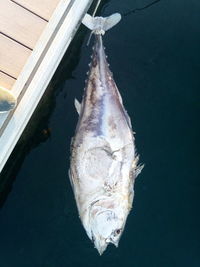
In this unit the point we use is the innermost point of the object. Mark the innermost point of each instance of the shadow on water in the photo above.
(37, 130)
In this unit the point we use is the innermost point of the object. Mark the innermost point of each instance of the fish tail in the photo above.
(99, 25)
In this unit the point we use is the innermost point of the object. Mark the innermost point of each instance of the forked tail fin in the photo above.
(99, 25)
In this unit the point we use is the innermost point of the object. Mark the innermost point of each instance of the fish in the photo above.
(104, 162)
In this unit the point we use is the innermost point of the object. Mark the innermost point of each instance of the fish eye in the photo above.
(117, 231)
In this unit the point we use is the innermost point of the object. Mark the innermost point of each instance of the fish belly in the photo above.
(103, 153)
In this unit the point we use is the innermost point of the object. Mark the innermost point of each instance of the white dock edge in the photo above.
(39, 70)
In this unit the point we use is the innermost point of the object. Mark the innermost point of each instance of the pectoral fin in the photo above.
(128, 119)
(77, 105)
(136, 168)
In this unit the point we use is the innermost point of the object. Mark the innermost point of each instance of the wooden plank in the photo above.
(41, 47)
(20, 24)
(6, 81)
(12, 56)
(43, 8)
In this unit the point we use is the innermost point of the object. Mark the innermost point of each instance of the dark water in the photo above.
(154, 55)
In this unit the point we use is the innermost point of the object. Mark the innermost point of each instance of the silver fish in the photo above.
(103, 158)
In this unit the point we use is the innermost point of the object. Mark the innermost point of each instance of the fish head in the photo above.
(107, 226)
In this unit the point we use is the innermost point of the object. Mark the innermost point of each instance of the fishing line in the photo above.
(140, 8)
(130, 11)
(123, 14)
(93, 14)
(97, 6)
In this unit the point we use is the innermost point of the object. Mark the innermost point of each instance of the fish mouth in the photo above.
(106, 227)
(102, 243)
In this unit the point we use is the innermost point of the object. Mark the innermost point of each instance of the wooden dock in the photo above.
(21, 25)
(34, 36)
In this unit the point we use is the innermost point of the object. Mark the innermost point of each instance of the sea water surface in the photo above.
(154, 54)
